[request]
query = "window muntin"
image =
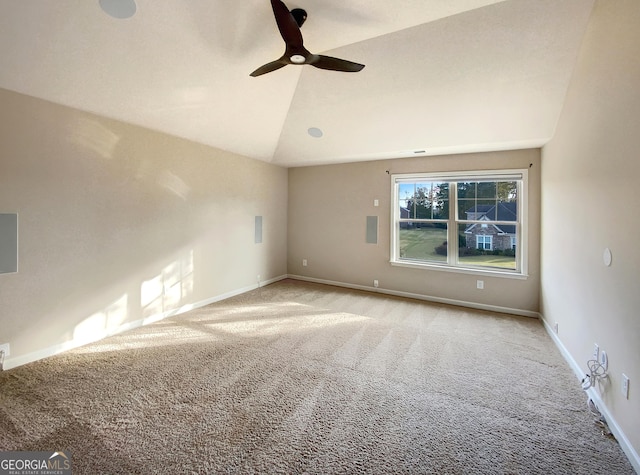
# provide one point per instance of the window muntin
(472, 221)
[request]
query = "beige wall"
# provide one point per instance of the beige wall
(590, 197)
(118, 223)
(328, 206)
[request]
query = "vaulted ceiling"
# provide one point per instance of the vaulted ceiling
(441, 76)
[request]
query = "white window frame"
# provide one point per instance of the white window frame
(485, 237)
(452, 264)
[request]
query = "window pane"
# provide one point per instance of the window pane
(467, 209)
(424, 200)
(422, 209)
(497, 208)
(507, 210)
(466, 190)
(507, 190)
(405, 190)
(487, 209)
(486, 189)
(425, 242)
(486, 247)
(440, 200)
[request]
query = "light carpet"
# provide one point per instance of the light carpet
(304, 378)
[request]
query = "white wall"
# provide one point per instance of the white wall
(590, 200)
(118, 223)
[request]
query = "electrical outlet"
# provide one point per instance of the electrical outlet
(258, 278)
(375, 284)
(376, 203)
(304, 262)
(625, 386)
(555, 328)
(480, 284)
(596, 352)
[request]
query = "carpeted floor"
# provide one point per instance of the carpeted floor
(305, 378)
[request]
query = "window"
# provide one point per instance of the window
(471, 221)
(484, 242)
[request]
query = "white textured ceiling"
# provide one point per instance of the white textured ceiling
(441, 76)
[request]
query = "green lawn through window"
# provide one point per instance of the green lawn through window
(420, 244)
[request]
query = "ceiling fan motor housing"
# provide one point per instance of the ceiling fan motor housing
(299, 15)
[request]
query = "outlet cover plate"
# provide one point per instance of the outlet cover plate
(7, 349)
(625, 386)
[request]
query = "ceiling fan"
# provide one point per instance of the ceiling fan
(289, 23)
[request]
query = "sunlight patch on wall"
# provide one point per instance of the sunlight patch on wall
(160, 297)
(102, 323)
(92, 135)
(168, 289)
(151, 292)
(174, 184)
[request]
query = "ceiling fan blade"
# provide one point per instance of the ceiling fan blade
(289, 29)
(335, 64)
(269, 67)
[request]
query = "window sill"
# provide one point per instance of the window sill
(462, 270)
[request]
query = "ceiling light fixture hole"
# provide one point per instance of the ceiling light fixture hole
(120, 9)
(315, 132)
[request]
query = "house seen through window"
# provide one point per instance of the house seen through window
(470, 221)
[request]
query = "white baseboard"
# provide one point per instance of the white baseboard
(428, 298)
(593, 393)
(16, 361)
